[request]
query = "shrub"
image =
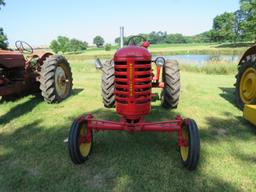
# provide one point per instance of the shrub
(64, 44)
(108, 47)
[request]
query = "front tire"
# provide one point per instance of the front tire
(171, 91)
(80, 141)
(190, 154)
(56, 79)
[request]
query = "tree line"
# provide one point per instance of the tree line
(64, 44)
(236, 26)
(161, 37)
(227, 27)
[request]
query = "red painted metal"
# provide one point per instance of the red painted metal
(158, 72)
(133, 82)
(2, 81)
(140, 125)
(157, 83)
(15, 62)
(11, 59)
(145, 44)
(12, 88)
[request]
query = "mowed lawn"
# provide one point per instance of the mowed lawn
(33, 156)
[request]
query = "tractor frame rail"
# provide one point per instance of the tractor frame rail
(138, 126)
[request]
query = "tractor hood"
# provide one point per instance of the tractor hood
(11, 59)
(132, 52)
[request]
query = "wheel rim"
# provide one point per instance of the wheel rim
(248, 85)
(84, 145)
(184, 149)
(61, 81)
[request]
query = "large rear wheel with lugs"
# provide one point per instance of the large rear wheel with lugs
(171, 78)
(108, 84)
(55, 79)
(246, 81)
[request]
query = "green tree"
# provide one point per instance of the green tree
(204, 37)
(108, 47)
(55, 46)
(98, 41)
(157, 37)
(64, 44)
(248, 24)
(175, 38)
(61, 44)
(3, 39)
(117, 40)
(2, 3)
(223, 27)
(76, 45)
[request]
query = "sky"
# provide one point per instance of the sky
(40, 21)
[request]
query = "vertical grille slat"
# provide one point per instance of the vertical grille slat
(142, 81)
(121, 82)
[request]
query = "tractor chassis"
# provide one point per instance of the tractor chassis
(139, 126)
(13, 88)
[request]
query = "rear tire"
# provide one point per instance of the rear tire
(171, 91)
(108, 84)
(191, 153)
(246, 82)
(56, 79)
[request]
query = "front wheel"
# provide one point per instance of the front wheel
(190, 153)
(80, 141)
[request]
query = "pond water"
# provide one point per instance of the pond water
(201, 60)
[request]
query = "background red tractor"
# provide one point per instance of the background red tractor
(127, 84)
(26, 70)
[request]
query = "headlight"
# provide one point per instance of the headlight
(160, 61)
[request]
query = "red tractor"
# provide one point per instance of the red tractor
(127, 84)
(26, 70)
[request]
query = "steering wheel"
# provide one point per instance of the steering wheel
(23, 47)
(132, 40)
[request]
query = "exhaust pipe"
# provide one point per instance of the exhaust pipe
(121, 37)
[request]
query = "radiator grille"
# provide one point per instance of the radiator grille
(133, 82)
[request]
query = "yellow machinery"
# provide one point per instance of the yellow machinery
(246, 85)
(250, 113)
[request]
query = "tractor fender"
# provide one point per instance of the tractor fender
(41, 55)
(250, 51)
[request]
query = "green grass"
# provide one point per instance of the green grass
(33, 156)
(220, 68)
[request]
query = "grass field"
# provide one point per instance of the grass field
(33, 156)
